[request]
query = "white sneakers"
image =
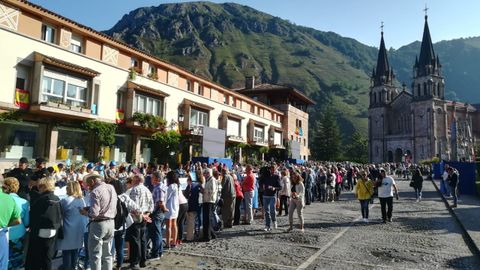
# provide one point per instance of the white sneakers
(275, 225)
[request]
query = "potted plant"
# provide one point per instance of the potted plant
(132, 75)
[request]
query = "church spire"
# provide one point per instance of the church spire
(383, 74)
(427, 61)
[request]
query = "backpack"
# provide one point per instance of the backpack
(122, 214)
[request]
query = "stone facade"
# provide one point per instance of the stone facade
(411, 125)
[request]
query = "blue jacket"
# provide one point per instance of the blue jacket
(74, 224)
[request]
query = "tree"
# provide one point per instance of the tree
(326, 142)
(357, 149)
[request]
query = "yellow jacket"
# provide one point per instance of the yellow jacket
(364, 189)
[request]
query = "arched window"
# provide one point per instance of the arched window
(434, 89)
(424, 88)
(418, 90)
(438, 90)
(374, 97)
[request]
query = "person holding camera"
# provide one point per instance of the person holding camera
(386, 189)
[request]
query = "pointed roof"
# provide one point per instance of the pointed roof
(427, 54)
(382, 74)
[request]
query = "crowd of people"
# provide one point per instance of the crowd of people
(91, 212)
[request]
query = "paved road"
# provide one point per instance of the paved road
(422, 236)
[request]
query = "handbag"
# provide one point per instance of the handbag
(371, 195)
(412, 184)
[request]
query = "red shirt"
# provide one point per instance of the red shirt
(248, 183)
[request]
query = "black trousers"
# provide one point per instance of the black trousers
(182, 217)
(208, 232)
(236, 215)
(283, 204)
(386, 204)
(40, 253)
(137, 237)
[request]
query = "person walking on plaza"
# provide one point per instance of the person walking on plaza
(228, 198)
(364, 192)
(417, 183)
(271, 184)
(297, 202)
(386, 189)
(45, 223)
(285, 192)
(101, 213)
(209, 196)
(74, 225)
(453, 183)
(248, 188)
(16, 234)
(136, 234)
(22, 173)
(9, 216)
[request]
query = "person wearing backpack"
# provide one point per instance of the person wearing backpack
(127, 211)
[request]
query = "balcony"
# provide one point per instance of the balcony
(276, 145)
(234, 138)
(146, 122)
(258, 141)
(196, 130)
(69, 111)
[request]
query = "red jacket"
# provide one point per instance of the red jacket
(238, 190)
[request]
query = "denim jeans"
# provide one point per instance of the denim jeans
(364, 207)
(118, 245)
(418, 192)
(454, 191)
(156, 235)
(69, 259)
(448, 189)
(269, 205)
(3, 248)
(283, 204)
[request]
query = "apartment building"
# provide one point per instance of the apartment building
(59, 74)
(293, 104)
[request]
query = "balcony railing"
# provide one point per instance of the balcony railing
(196, 130)
(235, 138)
(259, 141)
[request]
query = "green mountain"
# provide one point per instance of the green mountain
(226, 42)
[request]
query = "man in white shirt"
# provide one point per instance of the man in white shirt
(385, 194)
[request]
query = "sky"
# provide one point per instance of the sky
(359, 19)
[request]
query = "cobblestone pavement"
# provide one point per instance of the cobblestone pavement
(422, 236)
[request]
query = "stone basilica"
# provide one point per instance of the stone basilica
(418, 124)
